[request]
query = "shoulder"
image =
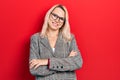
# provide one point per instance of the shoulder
(72, 39)
(35, 35)
(72, 36)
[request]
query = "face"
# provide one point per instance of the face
(56, 19)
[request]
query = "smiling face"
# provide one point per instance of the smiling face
(56, 19)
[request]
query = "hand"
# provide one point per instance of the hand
(72, 53)
(35, 63)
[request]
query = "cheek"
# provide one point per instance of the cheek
(49, 22)
(61, 25)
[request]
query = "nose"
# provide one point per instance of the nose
(57, 20)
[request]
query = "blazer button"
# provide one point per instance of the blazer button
(57, 66)
(61, 66)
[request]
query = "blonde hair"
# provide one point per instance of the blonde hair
(65, 29)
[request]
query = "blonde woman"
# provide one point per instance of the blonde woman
(54, 54)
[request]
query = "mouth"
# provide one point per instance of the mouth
(54, 24)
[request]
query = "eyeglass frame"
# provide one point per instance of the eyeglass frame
(61, 19)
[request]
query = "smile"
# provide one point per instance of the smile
(54, 24)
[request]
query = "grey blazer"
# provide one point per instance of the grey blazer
(61, 66)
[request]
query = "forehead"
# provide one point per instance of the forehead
(59, 12)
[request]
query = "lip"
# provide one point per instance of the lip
(54, 24)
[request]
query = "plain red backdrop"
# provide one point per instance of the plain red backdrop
(95, 23)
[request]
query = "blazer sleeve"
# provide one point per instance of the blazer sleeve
(69, 63)
(34, 54)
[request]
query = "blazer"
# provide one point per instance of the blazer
(61, 67)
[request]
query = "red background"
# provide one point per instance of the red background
(95, 23)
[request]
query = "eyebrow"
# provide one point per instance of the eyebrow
(57, 15)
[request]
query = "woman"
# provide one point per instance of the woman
(54, 54)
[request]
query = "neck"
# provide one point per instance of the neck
(52, 33)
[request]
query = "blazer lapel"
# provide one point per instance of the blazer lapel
(58, 44)
(46, 43)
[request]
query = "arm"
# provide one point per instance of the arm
(69, 63)
(34, 54)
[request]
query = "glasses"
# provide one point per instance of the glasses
(55, 17)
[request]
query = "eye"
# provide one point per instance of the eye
(62, 19)
(54, 16)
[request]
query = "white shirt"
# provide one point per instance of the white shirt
(53, 50)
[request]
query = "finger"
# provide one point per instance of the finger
(36, 66)
(75, 54)
(73, 50)
(32, 60)
(33, 64)
(72, 55)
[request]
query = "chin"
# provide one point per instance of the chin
(54, 28)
